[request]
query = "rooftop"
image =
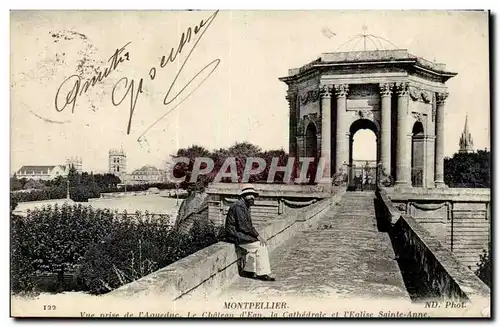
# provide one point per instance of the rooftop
(373, 56)
(146, 168)
(37, 169)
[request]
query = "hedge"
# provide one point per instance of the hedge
(80, 193)
(99, 250)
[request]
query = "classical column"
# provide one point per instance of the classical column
(429, 165)
(292, 133)
(326, 130)
(292, 123)
(385, 135)
(439, 152)
(341, 136)
(403, 156)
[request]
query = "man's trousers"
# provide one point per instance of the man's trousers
(257, 258)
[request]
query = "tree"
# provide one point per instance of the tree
(13, 204)
(59, 181)
(282, 161)
(73, 176)
(184, 169)
(17, 184)
(106, 181)
(244, 150)
(468, 170)
(33, 184)
(240, 151)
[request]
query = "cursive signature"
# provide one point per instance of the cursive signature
(74, 87)
(129, 88)
(132, 88)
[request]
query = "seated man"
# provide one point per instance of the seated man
(240, 231)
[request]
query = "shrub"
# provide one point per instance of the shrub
(484, 266)
(129, 251)
(13, 204)
(53, 239)
(48, 193)
(103, 250)
(21, 260)
(82, 187)
(138, 250)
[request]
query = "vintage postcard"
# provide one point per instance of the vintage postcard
(250, 164)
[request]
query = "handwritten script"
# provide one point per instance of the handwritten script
(129, 89)
(76, 88)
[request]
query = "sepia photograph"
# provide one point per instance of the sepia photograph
(250, 164)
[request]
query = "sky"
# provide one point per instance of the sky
(241, 100)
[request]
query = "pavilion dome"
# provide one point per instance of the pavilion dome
(366, 42)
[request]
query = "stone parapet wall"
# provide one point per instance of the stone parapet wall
(443, 194)
(444, 273)
(273, 190)
(209, 270)
(435, 265)
(458, 217)
(274, 200)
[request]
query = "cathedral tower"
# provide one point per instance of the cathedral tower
(466, 144)
(117, 162)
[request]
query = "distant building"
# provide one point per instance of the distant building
(45, 173)
(74, 162)
(466, 143)
(117, 162)
(147, 174)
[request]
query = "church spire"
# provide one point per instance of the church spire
(466, 144)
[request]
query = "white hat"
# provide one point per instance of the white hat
(248, 189)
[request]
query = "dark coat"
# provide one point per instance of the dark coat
(239, 228)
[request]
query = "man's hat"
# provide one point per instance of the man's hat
(248, 189)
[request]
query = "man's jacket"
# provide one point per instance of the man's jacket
(239, 228)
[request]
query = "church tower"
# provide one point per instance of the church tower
(117, 162)
(466, 144)
(75, 162)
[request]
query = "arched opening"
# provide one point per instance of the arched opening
(417, 154)
(363, 155)
(311, 151)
